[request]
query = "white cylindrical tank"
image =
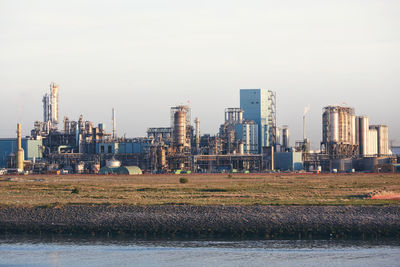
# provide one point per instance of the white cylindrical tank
(373, 142)
(382, 139)
(334, 126)
(363, 134)
(343, 128)
(353, 130)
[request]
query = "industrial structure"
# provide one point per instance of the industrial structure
(248, 140)
(345, 135)
(50, 109)
(259, 105)
(339, 131)
(20, 151)
(350, 143)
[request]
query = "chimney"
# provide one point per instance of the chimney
(20, 151)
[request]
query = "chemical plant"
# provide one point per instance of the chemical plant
(248, 141)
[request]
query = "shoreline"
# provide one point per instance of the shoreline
(184, 221)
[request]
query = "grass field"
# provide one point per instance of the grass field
(201, 189)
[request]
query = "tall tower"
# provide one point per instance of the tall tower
(20, 151)
(114, 132)
(197, 123)
(259, 105)
(181, 128)
(54, 104)
(50, 107)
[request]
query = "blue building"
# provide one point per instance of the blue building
(289, 161)
(259, 106)
(32, 149)
(247, 132)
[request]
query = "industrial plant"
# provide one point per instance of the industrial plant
(249, 140)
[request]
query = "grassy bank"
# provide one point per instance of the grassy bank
(201, 189)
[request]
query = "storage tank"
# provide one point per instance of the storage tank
(334, 126)
(353, 130)
(180, 128)
(373, 141)
(383, 140)
(285, 136)
(363, 134)
(278, 136)
(343, 126)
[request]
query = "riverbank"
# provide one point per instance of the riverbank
(200, 190)
(265, 222)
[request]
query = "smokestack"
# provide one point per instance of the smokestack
(197, 122)
(306, 110)
(20, 151)
(114, 134)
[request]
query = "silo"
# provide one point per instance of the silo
(373, 141)
(353, 128)
(382, 139)
(342, 126)
(285, 137)
(363, 134)
(277, 136)
(334, 125)
(180, 128)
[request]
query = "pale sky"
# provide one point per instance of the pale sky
(142, 57)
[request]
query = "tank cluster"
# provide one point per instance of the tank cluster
(346, 135)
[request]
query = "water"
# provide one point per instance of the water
(87, 252)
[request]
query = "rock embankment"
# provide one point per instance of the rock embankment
(207, 221)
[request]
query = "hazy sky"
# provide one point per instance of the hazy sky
(142, 57)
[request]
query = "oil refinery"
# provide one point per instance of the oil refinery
(249, 140)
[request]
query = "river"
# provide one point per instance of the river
(109, 252)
